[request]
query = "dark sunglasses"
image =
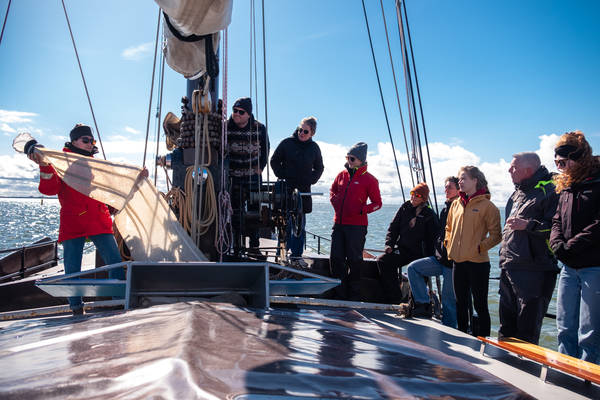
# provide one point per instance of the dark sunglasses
(239, 111)
(561, 163)
(305, 131)
(87, 140)
(351, 158)
(412, 193)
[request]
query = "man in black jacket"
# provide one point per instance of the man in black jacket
(248, 150)
(298, 161)
(410, 236)
(528, 267)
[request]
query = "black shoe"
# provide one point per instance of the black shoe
(78, 312)
(422, 310)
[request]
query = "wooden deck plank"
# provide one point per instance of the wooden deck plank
(554, 359)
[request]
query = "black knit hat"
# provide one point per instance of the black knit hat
(359, 150)
(245, 103)
(79, 131)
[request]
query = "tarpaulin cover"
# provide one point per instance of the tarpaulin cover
(145, 221)
(216, 351)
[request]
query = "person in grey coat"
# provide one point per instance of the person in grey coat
(528, 266)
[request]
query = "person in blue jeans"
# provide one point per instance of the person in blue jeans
(439, 264)
(575, 240)
(81, 216)
(298, 161)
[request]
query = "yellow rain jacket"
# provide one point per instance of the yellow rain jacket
(472, 229)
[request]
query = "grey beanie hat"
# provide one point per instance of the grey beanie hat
(359, 150)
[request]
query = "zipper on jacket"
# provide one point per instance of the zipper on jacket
(344, 198)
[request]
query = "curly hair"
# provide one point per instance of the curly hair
(475, 173)
(586, 165)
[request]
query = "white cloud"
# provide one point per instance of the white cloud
(11, 117)
(4, 127)
(129, 129)
(136, 53)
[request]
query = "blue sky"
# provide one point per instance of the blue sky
(496, 78)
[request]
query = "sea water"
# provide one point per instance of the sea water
(27, 220)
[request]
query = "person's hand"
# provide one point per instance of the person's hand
(144, 173)
(37, 158)
(259, 170)
(517, 224)
(388, 250)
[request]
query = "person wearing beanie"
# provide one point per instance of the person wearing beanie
(298, 161)
(419, 270)
(81, 217)
(248, 150)
(472, 229)
(574, 240)
(410, 236)
(350, 193)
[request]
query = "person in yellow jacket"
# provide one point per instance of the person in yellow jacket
(472, 228)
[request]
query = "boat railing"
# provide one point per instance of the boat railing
(23, 270)
(322, 238)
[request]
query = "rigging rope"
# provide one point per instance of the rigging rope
(151, 88)
(5, 19)
(83, 78)
(224, 234)
(265, 86)
(382, 99)
(397, 94)
(420, 105)
(159, 114)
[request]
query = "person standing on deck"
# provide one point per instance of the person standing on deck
(472, 228)
(575, 240)
(81, 217)
(528, 267)
(410, 236)
(298, 160)
(439, 264)
(248, 150)
(349, 193)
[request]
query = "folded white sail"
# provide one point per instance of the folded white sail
(145, 221)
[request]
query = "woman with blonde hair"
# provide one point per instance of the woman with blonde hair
(574, 239)
(472, 228)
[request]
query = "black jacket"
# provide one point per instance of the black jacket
(440, 251)
(300, 164)
(418, 241)
(535, 200)
(575, 237)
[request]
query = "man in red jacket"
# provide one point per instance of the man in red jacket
(81, 217)
(349, 194)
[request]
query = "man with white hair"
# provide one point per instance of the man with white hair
(528, 266)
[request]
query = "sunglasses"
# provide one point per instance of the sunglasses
(351, 158)
(304, 131)
(412, 193)
(87, 140)
(239, 111)
(561, 163)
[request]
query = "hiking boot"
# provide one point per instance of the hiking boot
(298, 262)
(78, 311)
(422, 310)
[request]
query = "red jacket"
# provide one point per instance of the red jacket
(80, 215)
(348, 195)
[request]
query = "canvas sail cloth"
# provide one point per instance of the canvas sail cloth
(145, 221)
(191, 18)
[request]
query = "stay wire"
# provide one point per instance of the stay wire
(159, 113)
(382, 99)
(397, 94)
(151, 87)
(83, 78)
(5, 19)
(420, 105)
(265, 86)
(408, 84)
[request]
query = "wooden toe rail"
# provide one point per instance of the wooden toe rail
(548, 358)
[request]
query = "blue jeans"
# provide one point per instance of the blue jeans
(73, 252)
(430, 266)
(296, 243)
(578, 313)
